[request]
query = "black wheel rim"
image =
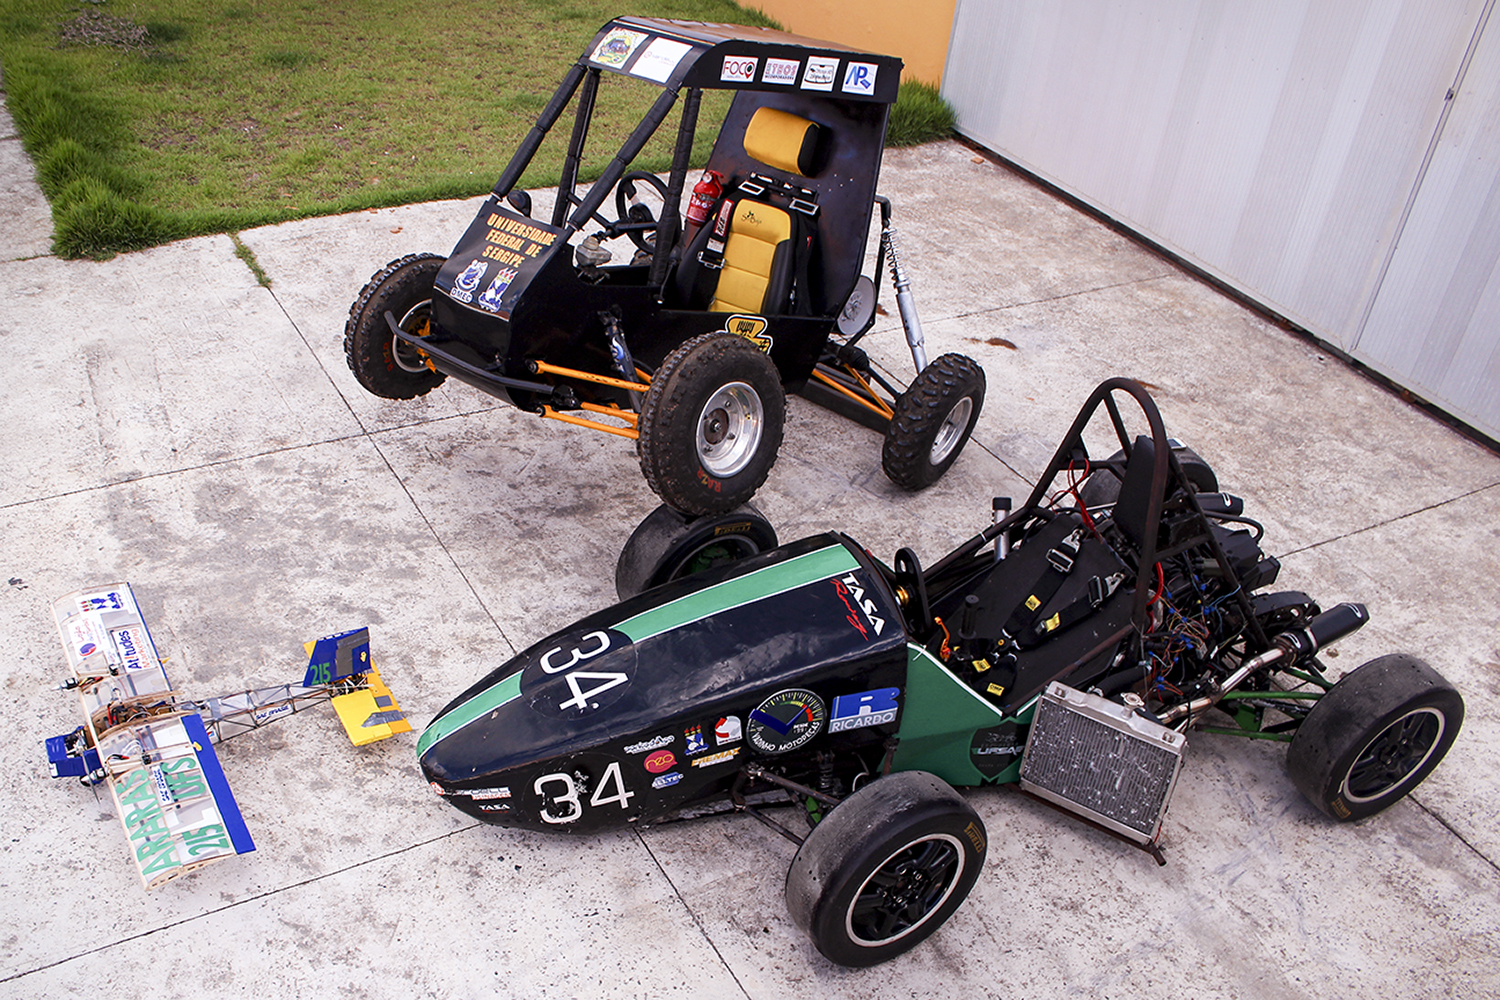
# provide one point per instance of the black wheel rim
(906, 890)
(1395, 755)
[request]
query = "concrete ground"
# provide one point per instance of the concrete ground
(174, 424)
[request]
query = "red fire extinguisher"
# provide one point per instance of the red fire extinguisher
(705, 193)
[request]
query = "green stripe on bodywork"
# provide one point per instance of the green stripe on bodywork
(942, 715)
(762, 583)
(473, 710)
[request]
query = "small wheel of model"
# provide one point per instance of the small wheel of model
(933, 421)
(669, 545)
(886, 868)
(386, 366)
(632, 208)
(711, 425)
(1373, 738)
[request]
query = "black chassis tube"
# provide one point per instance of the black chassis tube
(427, 345)
(522, 158)
(574, 155)
(616, 169)
(670, 223)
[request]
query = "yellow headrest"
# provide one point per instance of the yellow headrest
(783, 140)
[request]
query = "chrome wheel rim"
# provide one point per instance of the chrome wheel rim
(952, 430)
(729, 429)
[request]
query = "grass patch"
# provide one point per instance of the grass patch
(919, 115)
(247, 255)
(153, 120)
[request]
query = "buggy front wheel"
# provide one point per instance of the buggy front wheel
(388, 367)
(934, 418)
(711, 425)
(1373, 738)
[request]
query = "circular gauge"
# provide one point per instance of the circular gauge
(786, 721)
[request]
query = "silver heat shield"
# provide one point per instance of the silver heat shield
(1101, 760)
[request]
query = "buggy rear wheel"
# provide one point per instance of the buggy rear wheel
(669, 545)
(933, 421)
(385, 366)
(1373, 738)
(711, 425)
(886, 868)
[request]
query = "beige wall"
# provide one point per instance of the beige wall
(916, 31)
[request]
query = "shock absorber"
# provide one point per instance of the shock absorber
(904, 301)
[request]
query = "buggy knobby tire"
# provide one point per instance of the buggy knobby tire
(1373, 738)
(933, 421)
(886, 868)
(711, 424)
(669, 545)
(384, 365)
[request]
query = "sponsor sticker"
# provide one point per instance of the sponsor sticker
(716, 758)
(752, 328)
(781, 71)
(503, 792)
(615, 48)
(820, 73)
(739, 69)
(666, 780)
(494, 807)
(465, 283)
(490, 300)
(660, 761)
(267, 714)
(728, 730)
(868, 708)
(786, 721)
(859, 78)
(659, 59)
(851, 590)
(655, 743)
(695, 741)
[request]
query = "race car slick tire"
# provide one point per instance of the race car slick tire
(933, 421)
(1373, 738)
(669, 545)
(382, 364)
(886, 868)
(711, 424)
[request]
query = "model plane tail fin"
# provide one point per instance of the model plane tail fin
(369, 713)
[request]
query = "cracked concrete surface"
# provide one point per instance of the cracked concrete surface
(172, 423)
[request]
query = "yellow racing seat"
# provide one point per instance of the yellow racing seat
(746, 259)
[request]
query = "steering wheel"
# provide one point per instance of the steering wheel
(639, 198)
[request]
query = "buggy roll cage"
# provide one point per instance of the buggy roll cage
(677, 55)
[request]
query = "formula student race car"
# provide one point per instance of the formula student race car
(688, 345)
(1069, 647)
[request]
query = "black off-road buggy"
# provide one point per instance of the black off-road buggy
(688, 345)
(1068, 648)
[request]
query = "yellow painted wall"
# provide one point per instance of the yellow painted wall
(916, 31)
